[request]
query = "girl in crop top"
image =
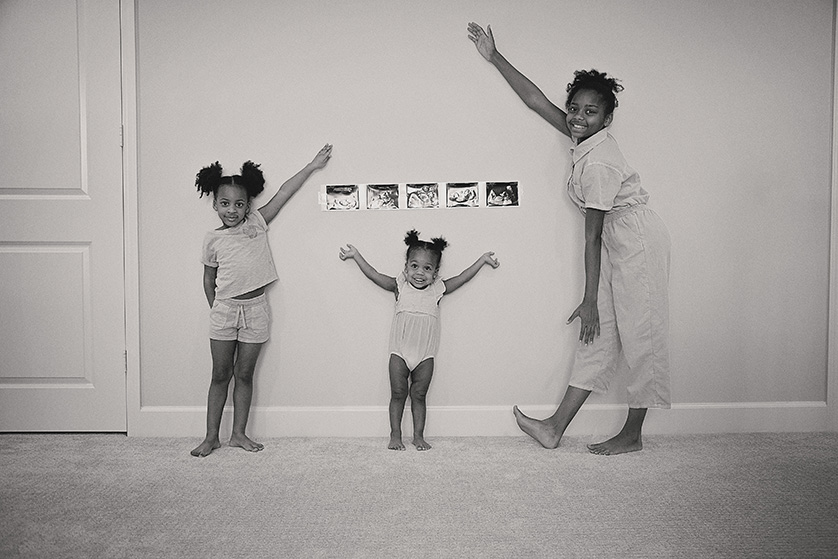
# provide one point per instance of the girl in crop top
(238, 266)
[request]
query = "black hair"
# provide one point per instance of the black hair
(435, 245)
(210, 178)
(600, 82)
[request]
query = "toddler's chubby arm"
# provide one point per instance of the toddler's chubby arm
(292, 185)
(529, 93)
(381, 280)
(452, 284)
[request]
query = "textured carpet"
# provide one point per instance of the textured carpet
(763, 495)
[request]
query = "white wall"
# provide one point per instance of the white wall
(726, 114)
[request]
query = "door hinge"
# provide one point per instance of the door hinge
(121, 136)
(125, 357)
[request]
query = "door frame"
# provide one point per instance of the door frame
(130, 170)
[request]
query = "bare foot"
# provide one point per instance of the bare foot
(619, 444)
(420, 443)
(242, 441)
(206, 447)
(395, 443)
(545, 434)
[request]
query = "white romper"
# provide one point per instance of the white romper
(414, 335)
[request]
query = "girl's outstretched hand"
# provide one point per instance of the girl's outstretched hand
(483, 40)
(589, 315)
(489, 258)
(322, 157)
(348, 252)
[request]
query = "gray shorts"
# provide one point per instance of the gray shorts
(245, 320)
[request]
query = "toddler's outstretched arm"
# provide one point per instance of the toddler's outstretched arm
(529, 93)
(452, 284)
(292, 185)
(381, 280)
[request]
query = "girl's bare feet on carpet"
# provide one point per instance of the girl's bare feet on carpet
(420, 443)
(546, 434)
(619, 444)
(396, 443)
(242, 441)
(206, 447)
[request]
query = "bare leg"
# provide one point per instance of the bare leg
(420, 382)
(629, 439)
(223, 353)
(399, 374)
(548, 432)
(243, 394)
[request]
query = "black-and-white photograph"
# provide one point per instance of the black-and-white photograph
(342, 197)
(462, 194)
(390, 279)
(382, 196)
(501, 194)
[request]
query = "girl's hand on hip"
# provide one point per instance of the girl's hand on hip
(589, 315)
(485, 42)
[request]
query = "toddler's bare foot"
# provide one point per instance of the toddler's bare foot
(544, 433)
(619, 444)
(395, 443)
(206, 447)
(242, 441)
(420, 443)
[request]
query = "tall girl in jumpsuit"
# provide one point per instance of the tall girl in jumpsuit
(624, 313)
(414, 334)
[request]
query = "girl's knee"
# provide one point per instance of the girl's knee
(398, 393)
(418, 392)
(222, 375)
(243, 375)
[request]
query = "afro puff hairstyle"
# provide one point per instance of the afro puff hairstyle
(435, 245)
(210, 178)
(606, 86)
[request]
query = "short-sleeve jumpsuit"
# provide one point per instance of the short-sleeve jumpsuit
(633, 297)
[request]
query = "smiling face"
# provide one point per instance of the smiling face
(421, 268)
(586, 115)
(231, 202)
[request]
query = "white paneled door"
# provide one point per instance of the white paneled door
(62, 327)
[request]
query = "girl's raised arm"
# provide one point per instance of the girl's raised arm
(292, 185)
(381, 280)
(452, 284)
(529, 93)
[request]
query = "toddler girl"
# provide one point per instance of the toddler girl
(414, 334)
(237, 268)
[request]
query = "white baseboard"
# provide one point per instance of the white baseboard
(495, 421)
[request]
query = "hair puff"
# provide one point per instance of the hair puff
(208, 179)
(439, 243)
(412, 238)
(435, 245)
(252, 178)
(606, 86)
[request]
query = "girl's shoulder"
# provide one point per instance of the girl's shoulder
(256, 218)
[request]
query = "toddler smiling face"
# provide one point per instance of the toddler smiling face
(421, 268)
